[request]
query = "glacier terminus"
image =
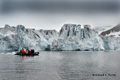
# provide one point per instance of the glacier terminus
(70, 37)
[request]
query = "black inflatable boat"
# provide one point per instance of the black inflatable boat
(29, 54)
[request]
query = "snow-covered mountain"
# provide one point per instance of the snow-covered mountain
(101, 29)
(70, 37)
(115, 31)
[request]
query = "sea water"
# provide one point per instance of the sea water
(61, 65)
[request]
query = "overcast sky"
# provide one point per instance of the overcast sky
(52, 14)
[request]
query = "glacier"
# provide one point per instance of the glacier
(73, 37)
(70, 37)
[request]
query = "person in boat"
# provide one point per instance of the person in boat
(23, 52)
(27, 51)
(32, 51)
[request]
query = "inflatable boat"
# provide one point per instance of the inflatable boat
(28, 54)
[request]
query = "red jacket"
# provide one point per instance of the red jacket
(23, 51)
(28, 51)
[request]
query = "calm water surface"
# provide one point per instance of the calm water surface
(65, 65)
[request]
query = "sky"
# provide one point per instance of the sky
(53, 14)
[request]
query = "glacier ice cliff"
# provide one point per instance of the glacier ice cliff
(70, 37)
(73, 37)
(111, 43)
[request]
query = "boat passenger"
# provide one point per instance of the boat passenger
(26, 51)
(32, 51)
(23, 52)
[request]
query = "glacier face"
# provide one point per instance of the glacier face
(73, 37)
(70, 37)
(111, 43)
(15, 38)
